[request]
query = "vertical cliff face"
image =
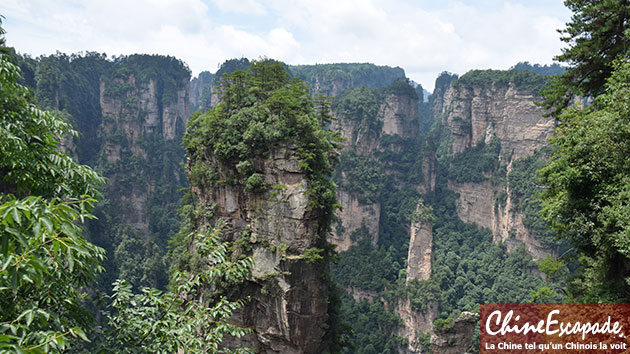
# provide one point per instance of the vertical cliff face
(201, 88)
(417, 323)
(476, 112)
(368, 120)
(474, 115)
(457, 339)
(353, 216)
(420, 255)
(399, 115)
(265, 175)
(288, 303)
(134, 114)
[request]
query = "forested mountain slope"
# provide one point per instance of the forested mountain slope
(439, 209)
(131, 114)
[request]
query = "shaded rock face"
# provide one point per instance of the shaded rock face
(352, 217)
(288, 307)
(429, 173)
(473, 114)
(414, 322)
(398, 115)
(458, 339)
(420, 255)
(419, 262)
(128, 118)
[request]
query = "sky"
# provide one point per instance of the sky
(424, 37)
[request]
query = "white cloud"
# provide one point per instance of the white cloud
(248, 7)
(452, 35)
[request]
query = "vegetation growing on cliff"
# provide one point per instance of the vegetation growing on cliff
(361, 175)
(523, 181)
(360, 104)
(262, 110)
(524, 80)
(324, 79)
(478, 163)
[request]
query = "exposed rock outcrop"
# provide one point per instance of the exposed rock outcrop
(420, 255)
(201, 88)
(429, 175)
(131, 112)
(472, 113)
(458, 339)
(352, 217)
(419, 260)
(288, 306)
(397, 115)
(415, 323)
(479, 113)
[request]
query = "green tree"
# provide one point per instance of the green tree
(165, 322)
(596, 36)
(44, 197)
(588, 189)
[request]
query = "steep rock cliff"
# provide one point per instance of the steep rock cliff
(458, 338)
(130, 113)
(420, 256)
(353, 216)
(418, 323)
(201, 88)
(134, 113)
(266, 176)
(374, 123)
(415, 324)
(288, 295)
(476, 114)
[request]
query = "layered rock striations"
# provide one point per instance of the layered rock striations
(419, 260)
(288, 297)
(135, 117)
(477, 114)
(265, 177)
(369, 120)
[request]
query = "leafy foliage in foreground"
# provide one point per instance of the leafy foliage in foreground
(45, 195)
(588, 190)
(165, 322)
